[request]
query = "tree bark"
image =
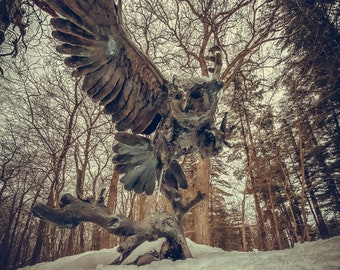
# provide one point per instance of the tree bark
(201, 215)
(244, 233)
(275, 223)
(303, 184)
(105, 238)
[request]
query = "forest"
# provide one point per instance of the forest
(277, 182)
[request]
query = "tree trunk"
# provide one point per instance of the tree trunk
(300, 214)
(112, 198)
(275, 226)
(320, 222)
(303, 185)
(244, 232)
(201, 214)
(105, 240)
(287, 194)
(260, 222)
(38, 243)
(5, 243)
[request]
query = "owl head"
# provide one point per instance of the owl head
(194, 100)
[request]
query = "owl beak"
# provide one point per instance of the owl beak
(184, 103)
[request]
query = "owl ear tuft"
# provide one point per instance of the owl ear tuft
(216, 58)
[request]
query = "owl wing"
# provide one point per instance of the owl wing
(116, 73)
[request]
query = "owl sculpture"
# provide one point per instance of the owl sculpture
(157, 120)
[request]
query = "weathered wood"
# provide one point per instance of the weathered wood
(74, 210)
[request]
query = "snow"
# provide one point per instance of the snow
(321, 254)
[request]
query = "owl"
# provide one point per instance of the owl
(156, 120)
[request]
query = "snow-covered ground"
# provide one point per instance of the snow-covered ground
(321, 254)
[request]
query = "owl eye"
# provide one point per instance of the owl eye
(196, 94)
(178, 96)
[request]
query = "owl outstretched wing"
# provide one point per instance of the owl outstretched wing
(116, 73)
(131, 88)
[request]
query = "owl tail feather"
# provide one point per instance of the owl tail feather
(135, 159)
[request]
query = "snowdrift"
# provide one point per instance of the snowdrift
(321, 254)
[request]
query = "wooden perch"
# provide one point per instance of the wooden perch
(176, 199)
(74, 210)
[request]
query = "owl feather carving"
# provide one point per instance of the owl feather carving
(180, 114)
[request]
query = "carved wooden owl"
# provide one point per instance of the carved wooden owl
(122, 79)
